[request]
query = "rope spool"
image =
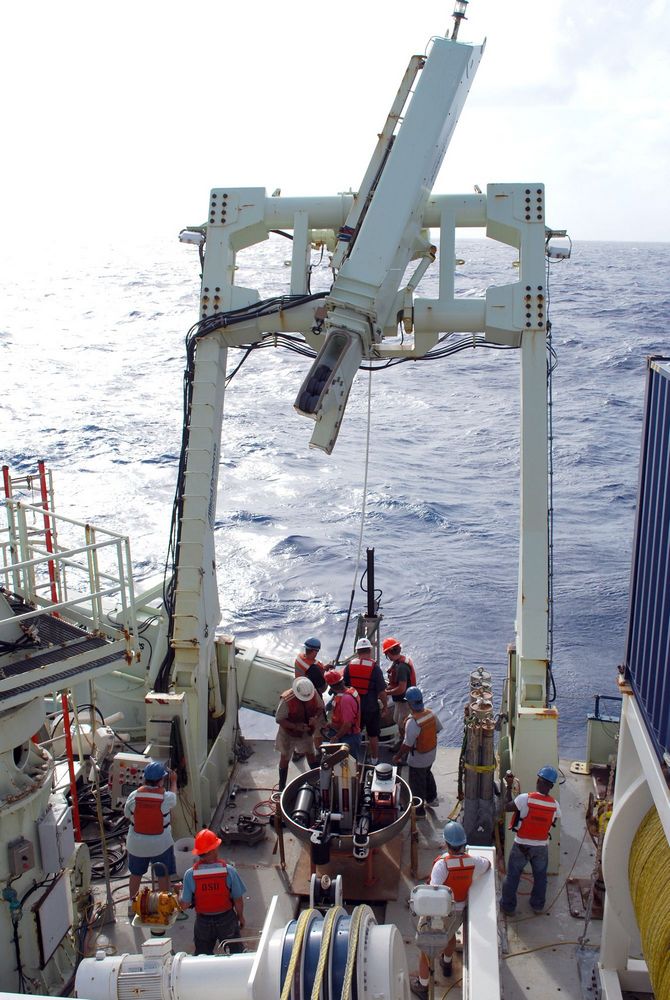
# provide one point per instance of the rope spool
(649, 879)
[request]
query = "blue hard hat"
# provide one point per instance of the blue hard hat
(549, 774)
(454, 834)
(154, 771)
(312, 643)
(414, 696)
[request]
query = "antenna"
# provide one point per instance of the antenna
(460, 8)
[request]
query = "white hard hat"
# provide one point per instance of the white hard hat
(303, 688)
(364, 643)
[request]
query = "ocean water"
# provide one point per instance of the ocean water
(93, 352)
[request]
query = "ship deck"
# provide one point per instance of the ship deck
(539, 954)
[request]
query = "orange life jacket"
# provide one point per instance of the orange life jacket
(393, 670)
(460, 873)
(148, 817)
(301, 665)
(541, 814)
(336, 718)
(301, 711)
(212, 894)
(360, 673)
(427, 738)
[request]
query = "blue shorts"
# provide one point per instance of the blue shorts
(138, 866)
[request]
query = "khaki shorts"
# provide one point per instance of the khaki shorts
(400, 711)
(286, 744)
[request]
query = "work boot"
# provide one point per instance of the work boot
(446, 966)
(418, 988)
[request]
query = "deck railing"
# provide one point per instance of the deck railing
(67, 568)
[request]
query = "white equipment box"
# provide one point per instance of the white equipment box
(56, 835)
(125, 775)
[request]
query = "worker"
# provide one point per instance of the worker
(216, 892)
(150, 835)
(420, 748)
(307, 665)
(297, 715)
(364, 674)
(534, 815)
(456, 869)
(401, 675)
(345, 719)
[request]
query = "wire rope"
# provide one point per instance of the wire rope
(301, 927)
(363, 506)
(352, 951)
(649, 879)
(326, 935)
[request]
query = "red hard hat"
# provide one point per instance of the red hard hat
(390, 643)
(332, 677)
(206, 841)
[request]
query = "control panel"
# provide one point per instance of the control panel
(21, 856)
(125, 775)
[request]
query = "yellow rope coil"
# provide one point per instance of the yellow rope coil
(300, 929)
(326, 935)
(354, 929)
(649, 879)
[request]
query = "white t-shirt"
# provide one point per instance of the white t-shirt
(149, 845)
(521, 803)
(412, 730)
(438, 876)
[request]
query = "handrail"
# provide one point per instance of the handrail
(31, 564)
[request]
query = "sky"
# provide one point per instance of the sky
(119, 118)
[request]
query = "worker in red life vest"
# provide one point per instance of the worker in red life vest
(456, 869)
(345, 719)
(150, 835)
(534, 815)
(364, 674)
(298, 714)
(401, 675)
(216, 892)
(420, 748)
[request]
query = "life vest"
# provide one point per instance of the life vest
(393, 671)
(301, 711)
(427, 738)
(541, 814)
(360, 673)
(336, 718)
(460, 873)
(148, 817)
(212, 894)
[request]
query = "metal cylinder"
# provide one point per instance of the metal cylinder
(303, 810)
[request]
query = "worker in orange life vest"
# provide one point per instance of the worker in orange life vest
(150, 836)
(456, 869)
(363, 673)
(216, 892)
(307, 665)
(420, 748)
(298, 714)
(401, 675)
(534, 815)
(345, 719)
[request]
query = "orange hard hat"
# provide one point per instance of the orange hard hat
(206, 841)
(389, 644)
